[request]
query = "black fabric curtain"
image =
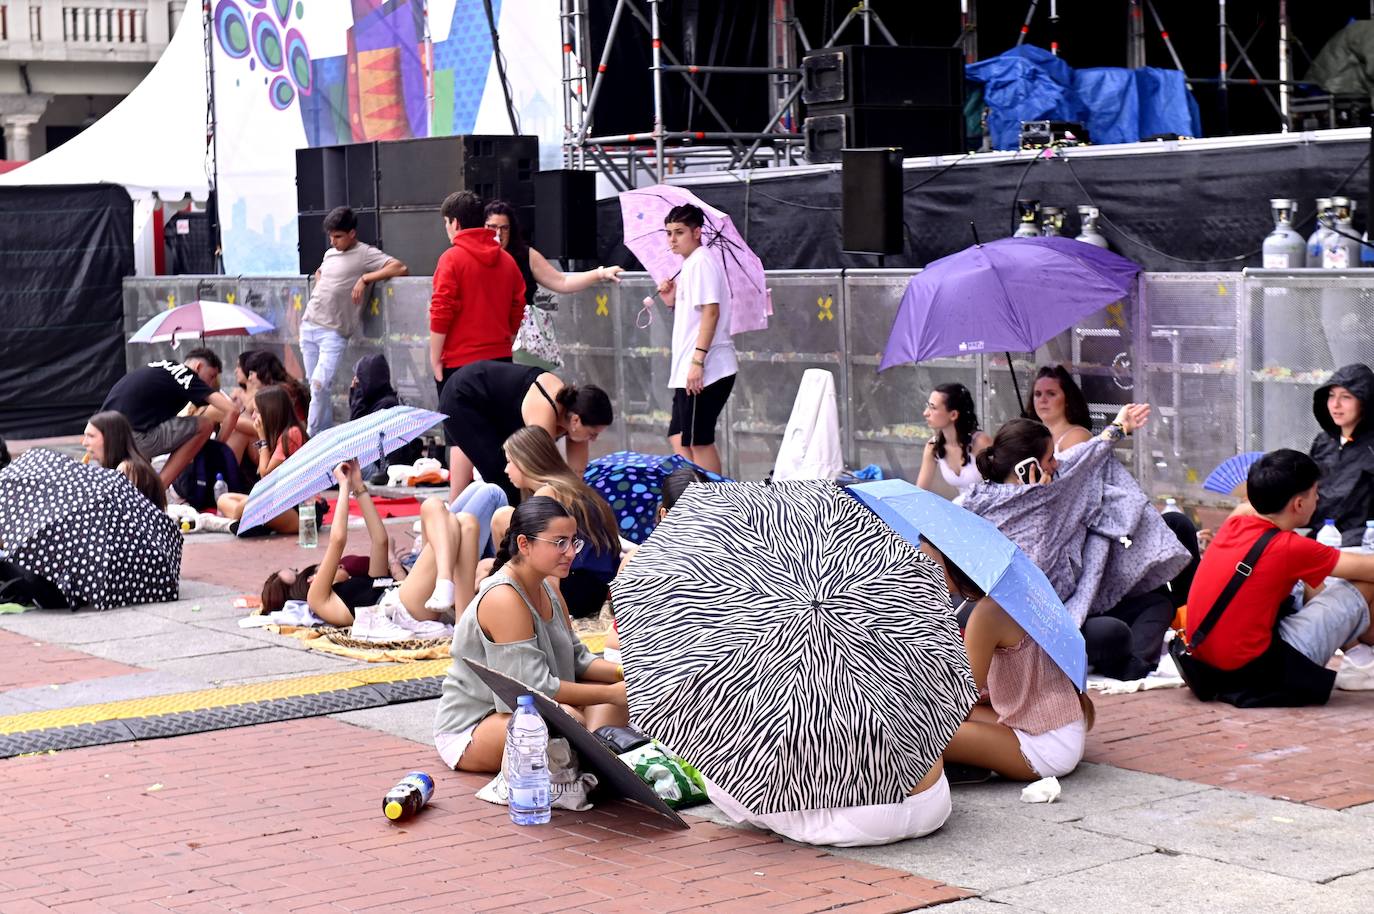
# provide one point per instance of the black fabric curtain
(1174, 211)
(64, 253)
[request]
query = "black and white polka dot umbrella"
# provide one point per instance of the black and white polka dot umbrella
(88, 530)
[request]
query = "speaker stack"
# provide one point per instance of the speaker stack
(908, 98)
(397, 187)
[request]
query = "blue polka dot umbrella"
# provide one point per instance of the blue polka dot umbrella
(633, 484)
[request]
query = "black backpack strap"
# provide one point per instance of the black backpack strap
(1244, 568)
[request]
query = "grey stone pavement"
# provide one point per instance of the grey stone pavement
(1117, 840)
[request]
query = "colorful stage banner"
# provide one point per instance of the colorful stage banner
(296, 73)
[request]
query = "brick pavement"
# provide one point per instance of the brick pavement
(287, 817)
(29, 663)
(1320, 756)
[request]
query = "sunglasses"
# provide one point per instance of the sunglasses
(563, 543)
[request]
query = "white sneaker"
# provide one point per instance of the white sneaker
(429, 628)
(1351, 677)
(371, 623)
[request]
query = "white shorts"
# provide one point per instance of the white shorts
(451, 746)
(849, 826)
(1056, 753)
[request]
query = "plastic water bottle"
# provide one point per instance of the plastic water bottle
(1171, 505)
(1328, 535)
(408, 797)
(526, 764)
(309, 536)
(221, 487)
(1367, 543)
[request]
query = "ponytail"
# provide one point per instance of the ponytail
(1013, 443)
(588, 402)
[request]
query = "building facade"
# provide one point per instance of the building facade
(65, 63)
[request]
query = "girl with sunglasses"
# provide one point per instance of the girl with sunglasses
(1086, 523)
(518, 625)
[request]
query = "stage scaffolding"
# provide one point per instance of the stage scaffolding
(660, 150)
(623, 158)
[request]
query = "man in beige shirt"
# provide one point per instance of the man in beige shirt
(335, 308)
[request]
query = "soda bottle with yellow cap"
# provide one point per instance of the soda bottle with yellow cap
(408, 797)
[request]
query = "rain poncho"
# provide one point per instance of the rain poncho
(1346, 490)
(1092, 530)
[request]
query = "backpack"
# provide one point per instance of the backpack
(196, 484)
(18, 585)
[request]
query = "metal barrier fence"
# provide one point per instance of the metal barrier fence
(1229, 360)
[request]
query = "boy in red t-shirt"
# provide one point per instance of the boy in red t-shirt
(1282, 489)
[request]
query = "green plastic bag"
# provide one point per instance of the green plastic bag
(675, 781)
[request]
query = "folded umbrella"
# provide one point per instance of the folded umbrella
(88, 531)
(310, 470)
(989, 559)
(633, 484)
(200, 319)
(643, 211)
(791, 646)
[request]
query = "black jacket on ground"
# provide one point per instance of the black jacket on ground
(1346, 490)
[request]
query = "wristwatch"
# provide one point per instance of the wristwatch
(260, 444)
(1116, 431)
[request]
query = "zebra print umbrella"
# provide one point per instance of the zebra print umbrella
(791, 646)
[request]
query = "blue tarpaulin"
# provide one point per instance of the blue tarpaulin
(1117, 105)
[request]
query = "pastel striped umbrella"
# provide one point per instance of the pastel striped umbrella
(310, 470)
(201, 319)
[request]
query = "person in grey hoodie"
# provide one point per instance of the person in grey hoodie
(1344, 449)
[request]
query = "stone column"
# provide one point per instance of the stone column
(17, 132)
(18, 115)
(174, 10)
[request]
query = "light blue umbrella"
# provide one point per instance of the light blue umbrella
(310, 470)
(990, 560)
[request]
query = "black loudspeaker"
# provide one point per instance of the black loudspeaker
(416, 237)
(871, 185)
(565, 214)
(883, 75)
(396, 188)
(916, 131)
(423, 172)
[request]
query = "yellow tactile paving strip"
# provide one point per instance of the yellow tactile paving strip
(226, 696)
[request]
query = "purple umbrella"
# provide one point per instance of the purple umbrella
(1010, 295)
(642, 212)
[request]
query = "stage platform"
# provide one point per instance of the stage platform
(1178, 205)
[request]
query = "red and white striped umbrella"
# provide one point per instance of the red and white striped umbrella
(201, 319)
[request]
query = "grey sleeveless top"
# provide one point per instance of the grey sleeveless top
(554, 654)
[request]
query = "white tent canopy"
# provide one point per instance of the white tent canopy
(153, 142)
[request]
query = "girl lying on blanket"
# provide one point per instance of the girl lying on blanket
(444, 572)
(1032, 722)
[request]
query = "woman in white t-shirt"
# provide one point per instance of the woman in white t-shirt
(702, 372)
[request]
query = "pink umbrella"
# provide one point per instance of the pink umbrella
(643, 211)
(200, 319)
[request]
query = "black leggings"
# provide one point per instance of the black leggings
(1125, 642)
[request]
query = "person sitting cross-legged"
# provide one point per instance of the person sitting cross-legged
(1259, 653)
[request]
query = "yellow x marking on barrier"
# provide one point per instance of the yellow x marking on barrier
(296, 300)
(230, 298)
(601, 309)
(376, 306)
(825, 303)
(171, 300)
